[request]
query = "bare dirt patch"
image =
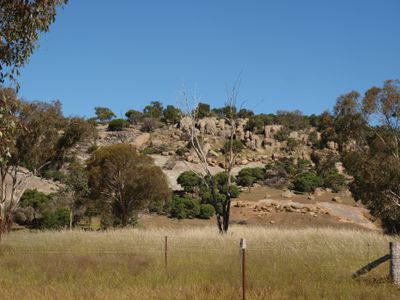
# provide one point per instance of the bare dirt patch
(301, 210)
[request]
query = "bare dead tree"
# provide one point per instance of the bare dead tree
(231, 151)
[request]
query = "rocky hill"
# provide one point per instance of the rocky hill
(263, 205)
(168, 145)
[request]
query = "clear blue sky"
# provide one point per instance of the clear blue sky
(291, 54)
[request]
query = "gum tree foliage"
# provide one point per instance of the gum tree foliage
(372, 122)
(282, 134)
(248, 176)
(256, 123)
(122, 182)
(104, 114)
(189, 181)
(283, 171)
(184, 207)
(293, 120)
(202, 110)
(228, 111)
(35, 137)
(134, 116)
(30, 211)
(74, 194)
(153, 110)
(21, 22)
(171, 114)
(218, 190)
(188, 207)
(307, 182)
(40, 211)
(75, 130)
(245, 113)
(118, 125)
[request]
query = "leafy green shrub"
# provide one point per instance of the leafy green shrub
(34, 198)
(313, 138)
(227, 111)
(150, 124)
(237, 146)
(293, 120)
(32, 205)
(104, 114)
(118, 125)
(172, 115)
(256, 123)
(234, 191)
(58, 219)
(247, 176)
(282, 134)
(245, 113)
(335, 181)
(181, 151)
(203, 110)
(292, 143)
(189, 181)
(134, 116)
(55, 175)
(36, 211)
(206, 211)
(154, 110)
(307, 182)
(184, 207)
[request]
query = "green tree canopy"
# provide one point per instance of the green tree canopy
(123, 182)
(248, 176)
(172, 114)
(190, 181)
(134, 116)
(104, 114)
(202, 110)
(153, 110)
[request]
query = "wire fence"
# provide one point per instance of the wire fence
(177, 248)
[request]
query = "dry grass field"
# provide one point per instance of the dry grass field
(202, 264)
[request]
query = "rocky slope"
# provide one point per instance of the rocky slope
(168, 146)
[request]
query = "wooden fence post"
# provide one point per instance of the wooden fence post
(166, 252)
(243, 252)
(395, 262)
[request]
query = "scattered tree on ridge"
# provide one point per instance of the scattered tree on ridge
(104, 114)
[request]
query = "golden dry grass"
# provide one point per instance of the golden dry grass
(129, 264)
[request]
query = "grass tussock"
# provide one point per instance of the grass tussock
(202, 264)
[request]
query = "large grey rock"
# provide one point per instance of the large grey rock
(270, 130)
(206, 148)
(287, 194)
(185, 124)
(211, 127)
(332, 145)
(221, 124)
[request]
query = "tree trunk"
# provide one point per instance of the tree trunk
(227, 215)
(124, 220)
(71, 218)
(219, 223)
